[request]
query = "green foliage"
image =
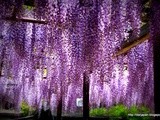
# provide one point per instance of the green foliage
(118, 111)
(144, 110)
(26, 109)
(133, 110)
(139, 110)
(98, 112)
(28, 7)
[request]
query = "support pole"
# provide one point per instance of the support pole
(155, 29)
(156, 65)
(59, 106)
(59, 109)
(85, 96)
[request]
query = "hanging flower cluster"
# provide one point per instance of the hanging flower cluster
(41, 63)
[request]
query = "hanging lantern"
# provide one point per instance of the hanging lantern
(45, 72)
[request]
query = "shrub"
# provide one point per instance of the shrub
(99, 112)
(121, 111)
(118, 111)
(138, 110)
(144, 110)
(133, 110)
(26, 109)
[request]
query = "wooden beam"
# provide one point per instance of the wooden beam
(134, 41)
(134, 44)
(25, 19)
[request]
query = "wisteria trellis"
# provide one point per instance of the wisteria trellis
(47, 61)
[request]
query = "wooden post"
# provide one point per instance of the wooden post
(1, 62)
(89, 49)
(59, 106)
(156, 57)
(85, 96)
(59, 109)
(155, 30)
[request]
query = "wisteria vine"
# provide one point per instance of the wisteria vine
(45, 62)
